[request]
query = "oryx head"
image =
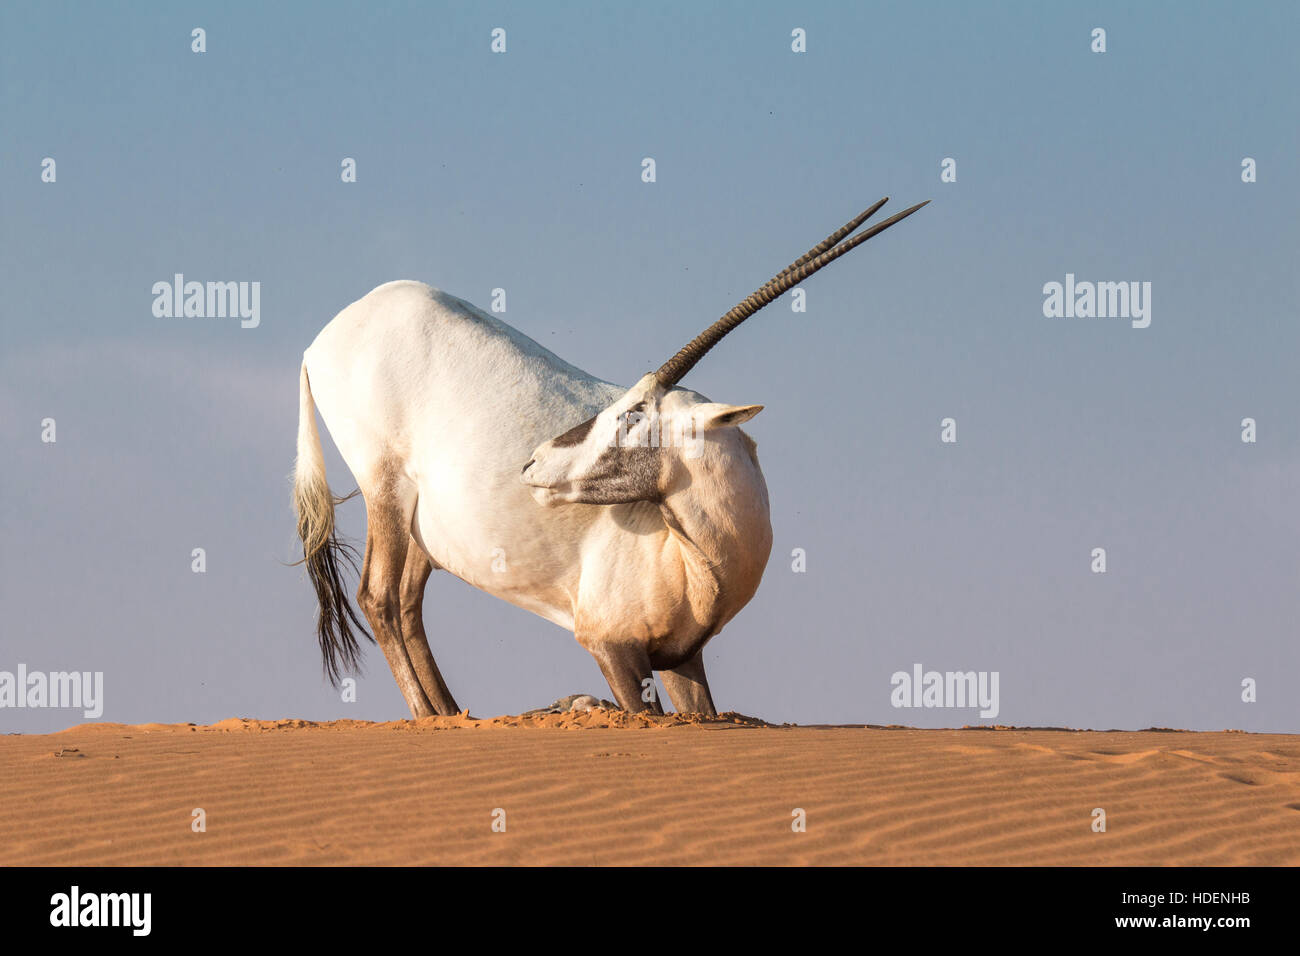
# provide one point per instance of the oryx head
(634, 449)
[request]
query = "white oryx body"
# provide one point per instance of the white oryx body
(635, 517)
(419, 387)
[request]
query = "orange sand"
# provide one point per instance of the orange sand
(612, 788)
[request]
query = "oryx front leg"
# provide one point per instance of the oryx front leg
(388, 525)
(414, 576)
(626, 667)
(688, 688)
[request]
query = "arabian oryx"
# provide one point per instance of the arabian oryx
(635, 518)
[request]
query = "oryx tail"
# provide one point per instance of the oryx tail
(323, 552)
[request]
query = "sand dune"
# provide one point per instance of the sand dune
(613, 788)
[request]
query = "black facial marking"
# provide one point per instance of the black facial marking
(575, 435)
(625, 474)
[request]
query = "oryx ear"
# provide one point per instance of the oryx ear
(716, 415)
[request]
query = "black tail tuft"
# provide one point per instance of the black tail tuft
(337, 623)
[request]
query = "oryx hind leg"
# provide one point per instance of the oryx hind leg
(626, 667)
(688, 688)
(389, 507)
(414, 577)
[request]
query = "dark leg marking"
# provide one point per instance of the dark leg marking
(415, 575)
(625, 666)
(379, 596)
(688, 688)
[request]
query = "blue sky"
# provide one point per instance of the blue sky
(522, 171)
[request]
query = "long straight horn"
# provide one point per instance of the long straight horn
(822, 254)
